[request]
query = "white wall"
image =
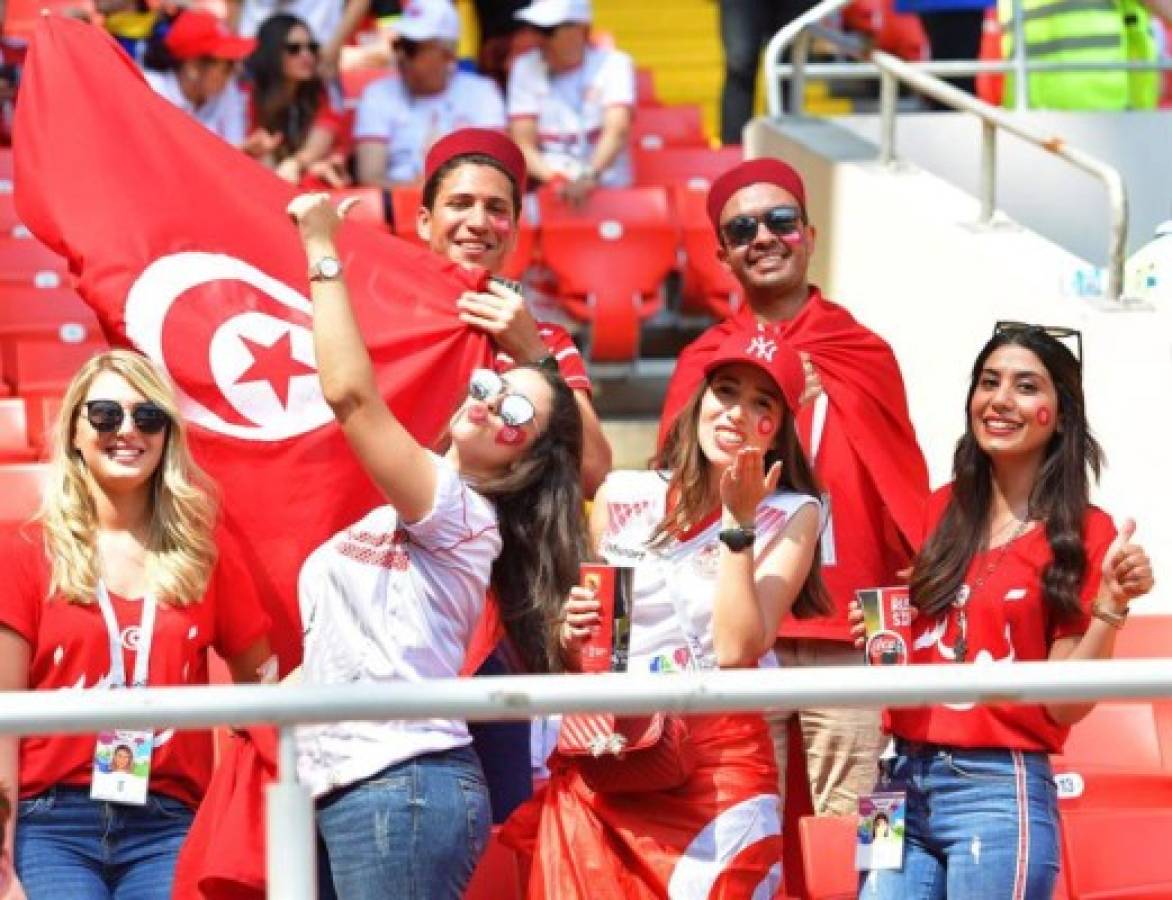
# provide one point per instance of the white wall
(899, 250)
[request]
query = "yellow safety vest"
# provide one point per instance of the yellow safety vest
(1084, 31)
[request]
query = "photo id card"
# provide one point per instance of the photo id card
(122, 766)
(879, 843)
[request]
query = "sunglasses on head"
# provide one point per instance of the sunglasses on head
(515, 409)
(1058, 332)
(781, 221)
(293, 48)
(106, 416)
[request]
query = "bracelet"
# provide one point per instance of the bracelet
(1116, 618)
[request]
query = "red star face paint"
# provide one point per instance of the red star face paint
(793, 239)
(510, 436)
(765, 426)
(1044, 415)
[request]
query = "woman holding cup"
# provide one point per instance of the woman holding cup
(722, 538)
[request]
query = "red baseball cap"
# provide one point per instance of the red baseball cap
(754, 171)
(465, 141)
(762, 348)
(195, 34)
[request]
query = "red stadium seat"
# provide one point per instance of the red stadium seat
(14, 442)
(21, 486)
(370, 208)
(44, 366)
(1145, 637)
(645, 88)
(355, 81)
(26, 261)
(707, 286)
(405, 206)
(610, 257)
(499, 874)
(26, 310)
(42, 411)
(1111, 852)
(1115, 737)
(693, 166)
(6, 170)
(828, 857)
(654, 127)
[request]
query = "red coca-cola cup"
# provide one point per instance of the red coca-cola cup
(887, 615)
(607, 648)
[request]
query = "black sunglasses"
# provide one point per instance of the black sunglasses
(515, 409)
(781, 221)
(295, 47)
(1058, 332)
(407, 47)
(106, 416)
(547, 30)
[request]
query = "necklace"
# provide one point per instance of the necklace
(965, 593)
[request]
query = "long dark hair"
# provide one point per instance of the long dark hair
(274, 111)
(543, 534)
(1060, 495)
(690, 488)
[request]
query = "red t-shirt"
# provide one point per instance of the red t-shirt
(562, 346)
(1006, 622)
(70, 649)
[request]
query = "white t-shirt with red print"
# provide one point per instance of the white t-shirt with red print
(389, 114)
(558, 341)
(1006, 621)
(70, 650)
(681, 575)
(388, 601)
(570, 107)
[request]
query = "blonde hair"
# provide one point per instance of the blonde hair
(181, 550)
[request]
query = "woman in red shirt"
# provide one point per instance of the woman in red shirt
(119, 582)
(293, 127)
(1018, 566)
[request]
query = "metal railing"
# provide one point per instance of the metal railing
(291, 863)
(922, 77)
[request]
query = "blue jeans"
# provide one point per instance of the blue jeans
(980, 824)
(68, 845)
(414, 831)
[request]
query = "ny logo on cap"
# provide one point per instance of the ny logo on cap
(762, 347)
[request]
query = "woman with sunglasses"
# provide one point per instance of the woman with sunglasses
(119, 582)
(722, 538)
(403, 809)
(293, 126)
(1018, 566)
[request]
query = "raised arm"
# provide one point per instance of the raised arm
(753, 594)
(398, 464)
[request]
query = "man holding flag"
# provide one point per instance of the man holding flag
(855, 428)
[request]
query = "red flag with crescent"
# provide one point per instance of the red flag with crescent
(181, 245)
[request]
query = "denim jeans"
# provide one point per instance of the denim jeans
(980, 824)
(414, 831)
(68, 845)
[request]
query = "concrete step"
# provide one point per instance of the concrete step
(632, 441)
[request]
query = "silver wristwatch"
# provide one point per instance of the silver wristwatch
(328, 268)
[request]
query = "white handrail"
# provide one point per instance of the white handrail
(291, 863)
(893, 70)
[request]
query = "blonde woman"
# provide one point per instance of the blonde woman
(118, 582)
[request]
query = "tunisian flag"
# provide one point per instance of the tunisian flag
(873, 443)
(181, 245)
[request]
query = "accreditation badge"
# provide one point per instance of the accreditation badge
(122, 767)
(879, 843)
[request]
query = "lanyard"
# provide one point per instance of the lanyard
(146, 635)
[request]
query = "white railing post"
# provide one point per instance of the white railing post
(291, 843)
(797, 84)
(888, 99)
(988, 171)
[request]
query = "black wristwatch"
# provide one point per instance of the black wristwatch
(739, 538)
(548, 362)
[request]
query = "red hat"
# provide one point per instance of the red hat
(196, 34)
(754, 171)
(465, 141)
(765, 350)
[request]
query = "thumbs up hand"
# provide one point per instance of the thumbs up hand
(1127, 570)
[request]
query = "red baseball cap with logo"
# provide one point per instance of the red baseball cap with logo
(196, 34)
(762, 348)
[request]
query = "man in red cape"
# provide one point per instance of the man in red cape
(181, 246)
(854, 425)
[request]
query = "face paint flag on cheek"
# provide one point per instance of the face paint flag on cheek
(181, 245)
(765, 426)
(1044, 416)
(510, 436)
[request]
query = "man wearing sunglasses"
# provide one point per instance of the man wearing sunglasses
(855, 428)
(400, 118)
(570, 103)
